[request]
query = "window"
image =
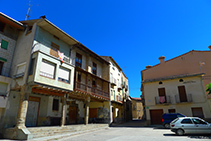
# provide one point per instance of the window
(47, 69)
(181, 80)
(94, 68)
(4, 44)
(186, 121)
(1, 67)
(93, 83)
(55, 105)
(2, 25)
(197, 112)
(79, 77)
(78, 61)
(64, 75)
(54, 50)
(172, 110)
(20, 70)
(31, 67)
(198, 121)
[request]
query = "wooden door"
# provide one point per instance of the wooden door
(182, 94)
(92, 112)
(32, 111)
(156, 116)
(72, 114)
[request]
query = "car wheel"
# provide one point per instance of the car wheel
(180, 132)
(167, 125)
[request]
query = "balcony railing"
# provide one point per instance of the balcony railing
(126, 87)
(5, 72)
(162, 99)
(181, 100)
(113, 81)
(119, 98)
(91, 90)
(119, 86)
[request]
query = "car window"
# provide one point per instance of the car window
(198, 121)
(186, 121)
(180, 116)
(172, 116)
(175, 120)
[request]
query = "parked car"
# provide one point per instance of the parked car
(190, 125)
(167, 118)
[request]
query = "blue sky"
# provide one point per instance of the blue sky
(135, 33)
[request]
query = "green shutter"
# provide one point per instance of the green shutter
(2, 59)
(4, 44)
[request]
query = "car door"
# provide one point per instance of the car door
(188, 126)
(202, 127)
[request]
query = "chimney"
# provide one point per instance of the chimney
(149, 66)
(209, 47)
(162, 59)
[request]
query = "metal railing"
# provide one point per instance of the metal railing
(113, 81)
(91, 90)
(181, 100)
(162, 99)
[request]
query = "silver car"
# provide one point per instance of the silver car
(190, 125)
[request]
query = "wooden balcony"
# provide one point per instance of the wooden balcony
(91, 90)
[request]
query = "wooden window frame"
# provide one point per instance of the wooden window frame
(77, 62)
(54, 50)
(94, 68)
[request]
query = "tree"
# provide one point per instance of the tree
(208, 88)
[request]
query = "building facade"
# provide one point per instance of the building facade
(56, 81)
(9, 30)
(177, 85)
(119, 93)
(137, 108)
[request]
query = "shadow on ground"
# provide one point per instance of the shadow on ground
(136, 124)
(192, 136)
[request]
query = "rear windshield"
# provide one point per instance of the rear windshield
(175, 120)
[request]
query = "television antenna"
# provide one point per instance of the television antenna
(29, 9)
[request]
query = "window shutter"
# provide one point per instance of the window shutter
(47, 69)
(64, 73)
(4, 44)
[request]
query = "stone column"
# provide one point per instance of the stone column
(23, 106)
(64, 102)
(20, 130)
(86, 119)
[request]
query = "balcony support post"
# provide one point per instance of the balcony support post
(63, 119)
(86, 119)
(21, 131)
